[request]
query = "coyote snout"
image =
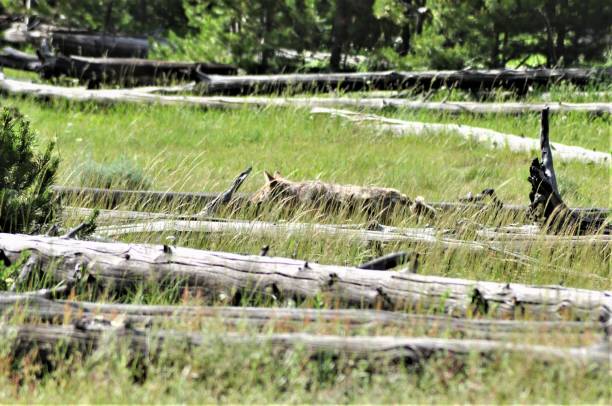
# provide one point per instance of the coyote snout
(377, 202)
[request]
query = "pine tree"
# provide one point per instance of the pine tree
(26, 199)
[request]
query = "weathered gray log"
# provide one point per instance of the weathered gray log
(33, 307)
(489, 138)
(120, 265)
(87, 337)
(160, 95)
(110, 198)
(15, 59)
(385, 103)
(474, 80)
(428, 236)
(547, 206)
(127, 71)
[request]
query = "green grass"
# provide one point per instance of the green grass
(192, 150)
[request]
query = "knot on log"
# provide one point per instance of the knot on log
(333, 278)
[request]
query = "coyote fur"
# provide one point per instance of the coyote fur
(376, 202)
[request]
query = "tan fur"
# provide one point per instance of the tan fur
(377, 202)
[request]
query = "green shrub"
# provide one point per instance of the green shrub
(122, 173)
(26, 199)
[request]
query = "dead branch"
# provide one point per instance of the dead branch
(225, 197)
(547, 206)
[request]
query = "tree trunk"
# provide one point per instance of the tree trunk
(339, 33)
(117, 266)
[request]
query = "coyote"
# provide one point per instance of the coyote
(377, 202)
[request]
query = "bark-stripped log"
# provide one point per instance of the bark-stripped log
(428, 236)
(14, 59)
(473, 80)
(120, 265)
(87, 337)
(160, 95)
(127, 71)
(289, 319)
(385, 103)
(485, 136)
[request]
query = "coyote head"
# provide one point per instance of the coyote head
(275, 188)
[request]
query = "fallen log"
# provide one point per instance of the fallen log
(487, 137)
(37, 308)
(127, 71)
(385, 103)
(97, 44)
(78, 42)
(86, 337)
(111, 198)
(160, 95)
(547, 206)
(427, 236)
(14, 59)
(473, 80)
(117, 266)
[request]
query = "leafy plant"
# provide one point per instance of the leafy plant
(122, 173)
(26, 176)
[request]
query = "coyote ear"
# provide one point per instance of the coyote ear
(277, 174)
(269, 178)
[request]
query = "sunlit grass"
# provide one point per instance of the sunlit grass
(186, 149)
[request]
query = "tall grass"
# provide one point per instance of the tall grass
(186, 149)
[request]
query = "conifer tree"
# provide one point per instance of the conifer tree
(26, 176)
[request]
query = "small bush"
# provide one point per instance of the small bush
(121, 173)
(26, 199)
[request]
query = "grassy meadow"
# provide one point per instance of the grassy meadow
(187, 149)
